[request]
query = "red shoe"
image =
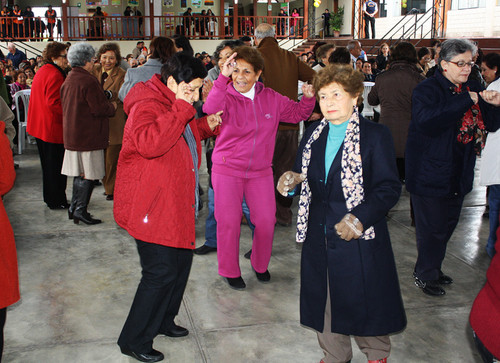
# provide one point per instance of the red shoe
(384, 360)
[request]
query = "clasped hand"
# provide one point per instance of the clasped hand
(349, 227)
(288, 181)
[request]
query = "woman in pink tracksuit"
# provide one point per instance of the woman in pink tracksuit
(242, 158)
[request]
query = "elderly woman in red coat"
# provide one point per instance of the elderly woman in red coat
(9, 282)
(45, 123)
(156, 196)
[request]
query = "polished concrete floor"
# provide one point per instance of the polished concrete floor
(78, 281)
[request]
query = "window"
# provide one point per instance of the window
(415, 6)
(467, 4)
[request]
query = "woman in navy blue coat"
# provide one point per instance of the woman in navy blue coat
(447, 129)
(349, 282)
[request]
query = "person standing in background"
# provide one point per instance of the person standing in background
(51, 16)
(326, 22)
(370, 9)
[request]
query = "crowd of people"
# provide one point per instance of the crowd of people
(137, 122)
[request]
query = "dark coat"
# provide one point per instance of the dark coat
(9, 280)
(393, 89)
(85, 112)
(363, 282)
(282, 72)
(437, 165)
(113, 84)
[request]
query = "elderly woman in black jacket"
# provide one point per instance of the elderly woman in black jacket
(447, 129)
(349, 283)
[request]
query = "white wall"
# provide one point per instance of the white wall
(473, 23)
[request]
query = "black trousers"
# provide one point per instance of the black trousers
(54, 183)
(165, 271)
(369, 20)
(3, 316)
(435, 221)
(284, 156)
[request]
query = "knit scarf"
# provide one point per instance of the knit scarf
(471, 127)
(351, 175)
(191, 141)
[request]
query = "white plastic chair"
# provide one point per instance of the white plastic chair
(368, 110)
(24, 95)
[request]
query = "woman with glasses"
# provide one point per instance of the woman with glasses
(45, 123)
(447, 130)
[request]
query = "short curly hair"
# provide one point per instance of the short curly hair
(53, 50)
(114, 47)
(346, 76)
(80, 53)
(250, 55)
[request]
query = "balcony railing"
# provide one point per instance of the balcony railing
(144, 27)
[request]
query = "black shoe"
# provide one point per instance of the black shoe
(153, 356)
(109, 197)
(236, 283)
(444, 279)
(283, 224)
(203, 250)
(263, 277)
(248, 254)
(84, 191)
(175, 331)
(59, 206)
(430, 287)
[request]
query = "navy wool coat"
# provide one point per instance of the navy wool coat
(362, 277)
(437, 165)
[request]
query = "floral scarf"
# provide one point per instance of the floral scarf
(351, 175)
(471, 127)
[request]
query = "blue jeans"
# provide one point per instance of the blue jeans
(494, 202)
(211, 223)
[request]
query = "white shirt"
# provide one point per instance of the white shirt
(490, 156)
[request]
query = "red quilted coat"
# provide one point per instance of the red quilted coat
(155, 182)
(9, 281)
(45, 111)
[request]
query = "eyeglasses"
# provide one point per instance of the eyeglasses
(461, 64)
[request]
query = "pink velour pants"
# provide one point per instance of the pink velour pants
(228, 196)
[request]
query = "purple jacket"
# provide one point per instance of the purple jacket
(245, 146)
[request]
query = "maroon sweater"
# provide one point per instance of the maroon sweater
(85, 112)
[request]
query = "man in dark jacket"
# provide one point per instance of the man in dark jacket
(282, 72)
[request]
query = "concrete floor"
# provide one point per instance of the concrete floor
(78, 282)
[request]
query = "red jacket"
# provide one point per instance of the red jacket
(45, 110)
(9, 281)
(485, 313)
(155, 180)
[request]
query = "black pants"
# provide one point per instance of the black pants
(54, 183)
(3, 316)
(486, 355)
(369, 19)
(50, 28)
(435, 221)
(165, 271)
(285, 152)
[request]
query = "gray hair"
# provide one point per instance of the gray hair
(453, 47)
(264, 30)
(80, 53)
(352, 44)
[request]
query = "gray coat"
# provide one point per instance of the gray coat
(139, 74)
